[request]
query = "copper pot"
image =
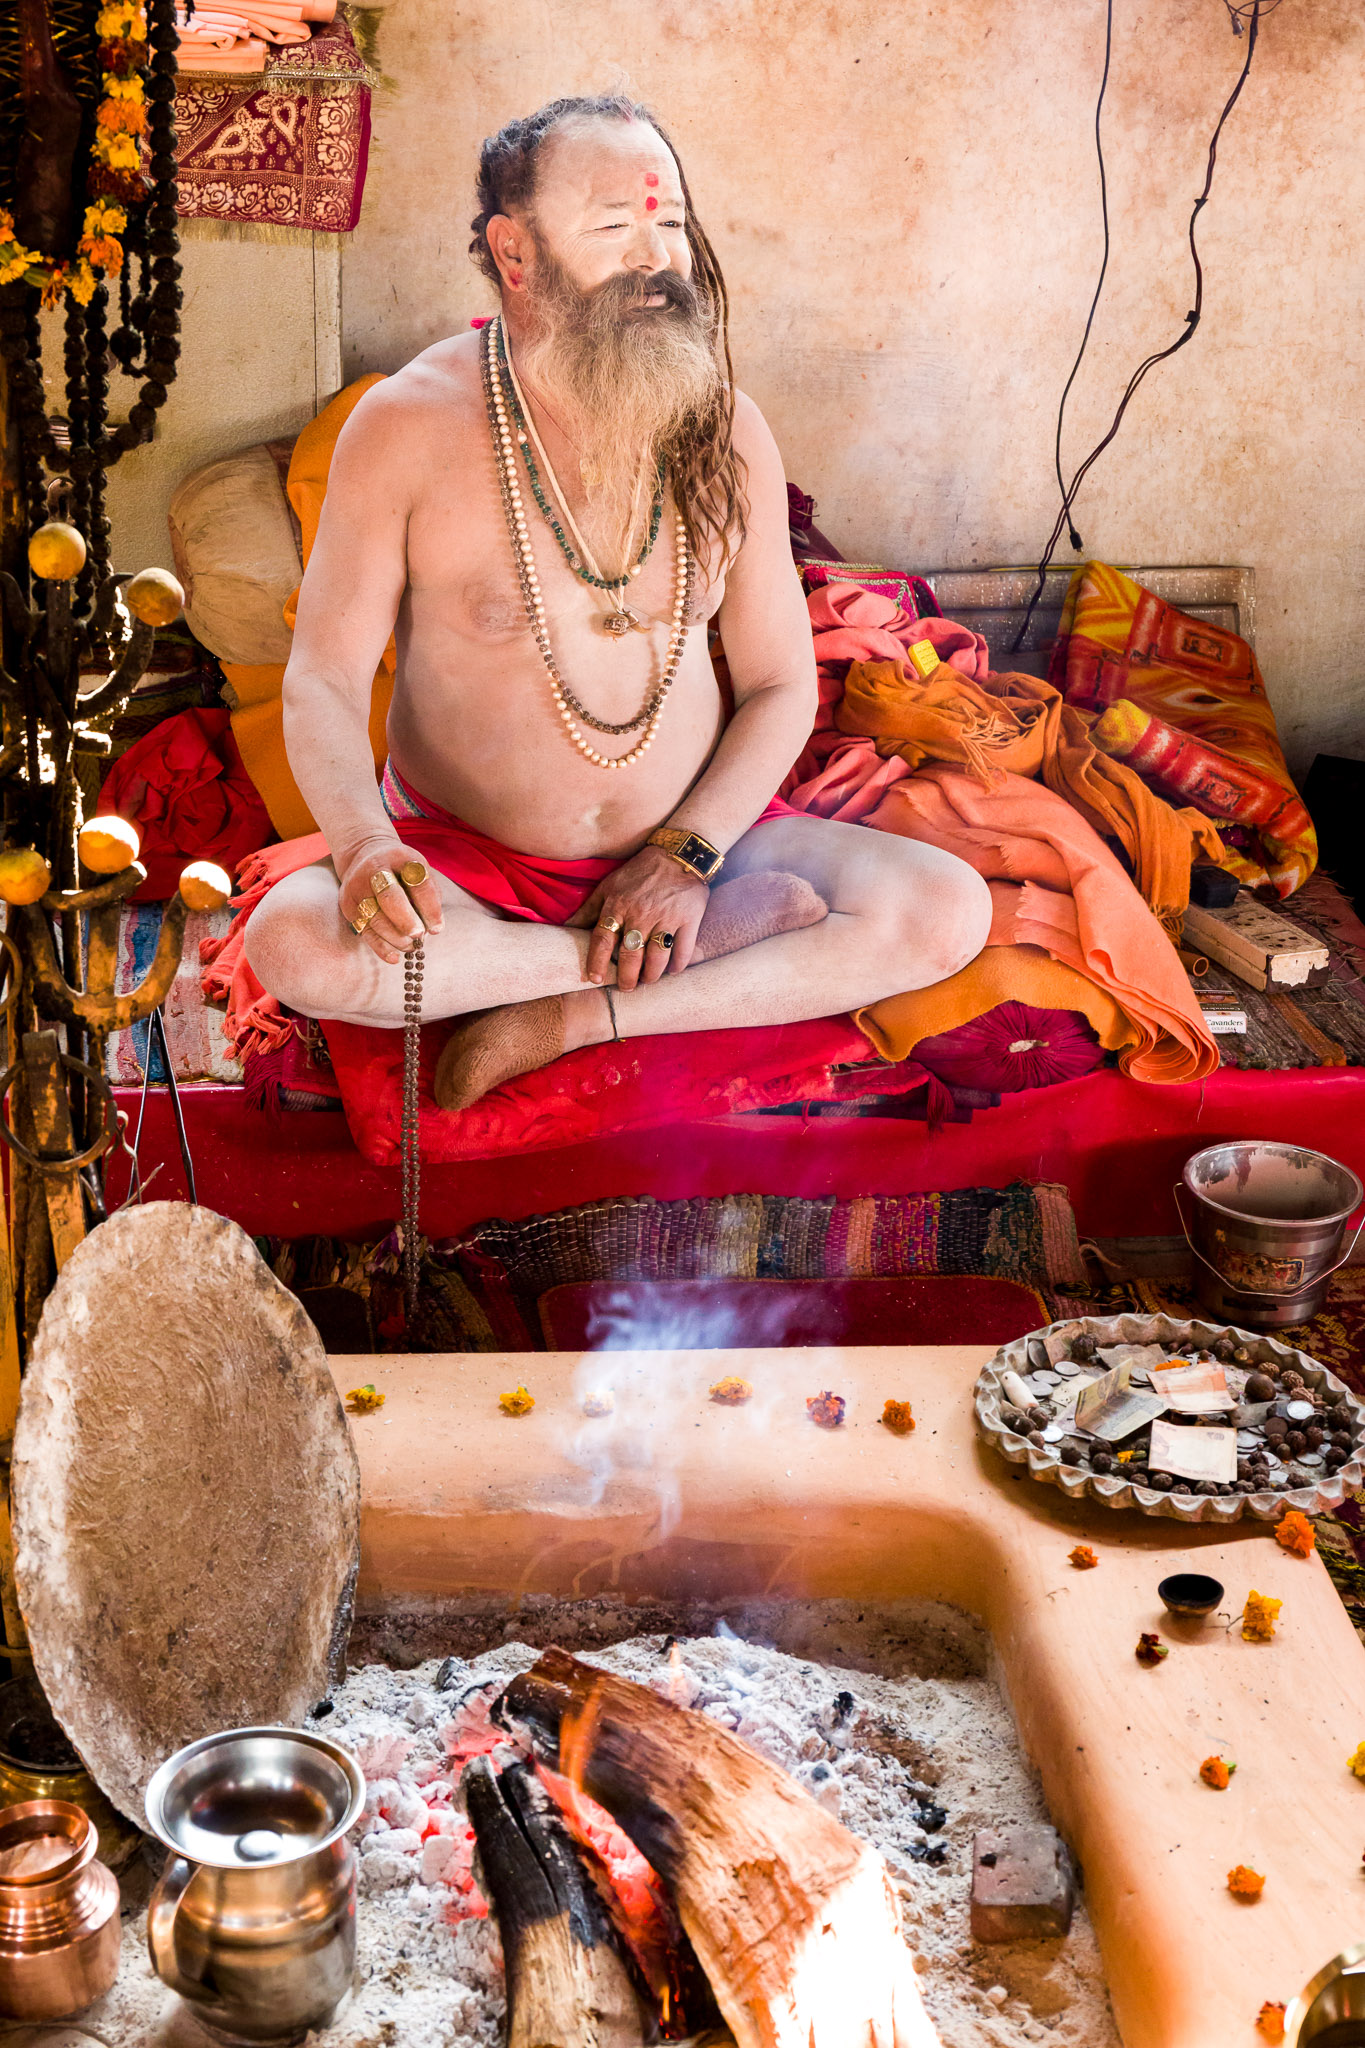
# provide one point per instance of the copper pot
(59, 1912)
(38, 1762)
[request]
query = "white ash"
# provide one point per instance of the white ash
(885, 1747)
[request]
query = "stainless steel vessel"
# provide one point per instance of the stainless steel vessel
(1266, 1229)
(59, 1912)
(1330, 2010)
(253, 1921)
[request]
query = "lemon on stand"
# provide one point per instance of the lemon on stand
(56, 552)
(155, 597)
(24, 875)
(205, 886)
(107, 845)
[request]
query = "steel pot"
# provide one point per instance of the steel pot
(59, 1912)
(253, 1921)
(1330, 2010)
(1266, 1229)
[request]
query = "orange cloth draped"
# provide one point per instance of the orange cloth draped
(256, 693)
(1019, 724)
(1118, 642)
(1056, 885)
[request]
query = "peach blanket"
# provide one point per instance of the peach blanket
(1055, 884)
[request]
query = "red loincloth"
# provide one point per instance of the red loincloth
(525, 886)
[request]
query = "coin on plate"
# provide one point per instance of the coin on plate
(1299, 1411)
(1054, 1433)
(1067, 1367)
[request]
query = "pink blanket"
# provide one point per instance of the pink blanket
(840, 775)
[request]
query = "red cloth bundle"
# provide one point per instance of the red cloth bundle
(1214, 782)
(185, 789)
(1014, 1046)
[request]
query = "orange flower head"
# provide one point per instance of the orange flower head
(897, 1418)
(1244, 1882)
(1295, 1534)
(1270, 2020)
(1215, 1771)
(1258, 1617)
(1355, 1762)
(1150, 1650)
(732, 1391)
(364, 1400)
(1082, 1557)
(826, 1409)
(518, 1402)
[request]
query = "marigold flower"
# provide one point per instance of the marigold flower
(732, 1391)
(118, 151)
(896, 1417)
(1270, 2020)
(1244, 1882)
(1258, 1617)
(103, 252)
(13, 267)
(1150, 1650)
(122, 117)
(104, 219)
(1355, 1762)
(81, 282)
(1295, 1533)
(519, 1402)
(1082, 1557)
(123, 89)
(1216, 1772)
(364, 1400)
(826, 1409)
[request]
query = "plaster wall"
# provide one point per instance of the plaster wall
(260, 355)
(906, 206)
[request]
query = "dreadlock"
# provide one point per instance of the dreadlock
(707, 472)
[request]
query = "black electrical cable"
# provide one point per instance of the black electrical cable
(1192, 318)
(1104, 262)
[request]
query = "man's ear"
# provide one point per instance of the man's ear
(507, 241)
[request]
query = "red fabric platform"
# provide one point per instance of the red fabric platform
(1117, 1145)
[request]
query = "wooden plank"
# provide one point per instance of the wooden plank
(1257, 943)
(52, 1130)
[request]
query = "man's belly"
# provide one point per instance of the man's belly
(494, 751)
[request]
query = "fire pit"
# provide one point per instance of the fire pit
(467, 1507)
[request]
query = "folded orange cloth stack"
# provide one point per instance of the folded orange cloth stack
(238, 35)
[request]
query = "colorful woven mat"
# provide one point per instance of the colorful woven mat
(285, 150)
(481, 1291)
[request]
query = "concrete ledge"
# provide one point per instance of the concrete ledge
(674, 1496)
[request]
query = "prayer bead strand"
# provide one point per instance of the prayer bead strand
(566, 703)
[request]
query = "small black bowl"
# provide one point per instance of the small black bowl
(1190, 1593)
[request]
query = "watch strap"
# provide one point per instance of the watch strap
(690, 851)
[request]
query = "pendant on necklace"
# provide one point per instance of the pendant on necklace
(619, 623)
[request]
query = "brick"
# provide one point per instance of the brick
(1023, 1884)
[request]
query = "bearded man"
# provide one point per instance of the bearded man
(548, 513)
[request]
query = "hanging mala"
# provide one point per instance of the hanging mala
(413, 968)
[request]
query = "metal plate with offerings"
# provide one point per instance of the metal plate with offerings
(1196, 1421)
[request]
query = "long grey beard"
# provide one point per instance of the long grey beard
(625, 385)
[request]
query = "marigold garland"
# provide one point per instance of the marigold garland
(115, 170)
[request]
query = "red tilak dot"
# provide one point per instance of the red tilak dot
(651, 177)
(651, 205)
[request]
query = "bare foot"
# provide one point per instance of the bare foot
(754, 907)
(493, 1046)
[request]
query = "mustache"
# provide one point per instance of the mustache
(630, 293)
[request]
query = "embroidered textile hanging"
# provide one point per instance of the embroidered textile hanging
(287, 149)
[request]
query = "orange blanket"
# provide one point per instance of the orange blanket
(1019, 724)
(1055, 885)
(1119, 642)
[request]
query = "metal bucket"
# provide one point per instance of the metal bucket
(1266, 1230)
(1330, 2010)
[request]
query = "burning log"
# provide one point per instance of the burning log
(795, 1921)
(567, 1984)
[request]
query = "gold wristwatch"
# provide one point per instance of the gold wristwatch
(690, 851)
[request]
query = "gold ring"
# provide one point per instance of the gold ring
(380, 881)
(367, 908)
(607, 923)
(664, 939)
(413, 873)
(358, 925)
(633, 941)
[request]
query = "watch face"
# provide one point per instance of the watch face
(698, 854)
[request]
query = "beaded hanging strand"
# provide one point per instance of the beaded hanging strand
(566, 703)
(622, 618)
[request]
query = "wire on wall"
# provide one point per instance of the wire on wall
(1239, 11)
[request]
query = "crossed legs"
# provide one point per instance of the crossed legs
(900, 916)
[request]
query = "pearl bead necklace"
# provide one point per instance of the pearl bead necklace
(566, 703)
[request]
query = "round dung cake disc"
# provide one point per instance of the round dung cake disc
(186, 1495)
